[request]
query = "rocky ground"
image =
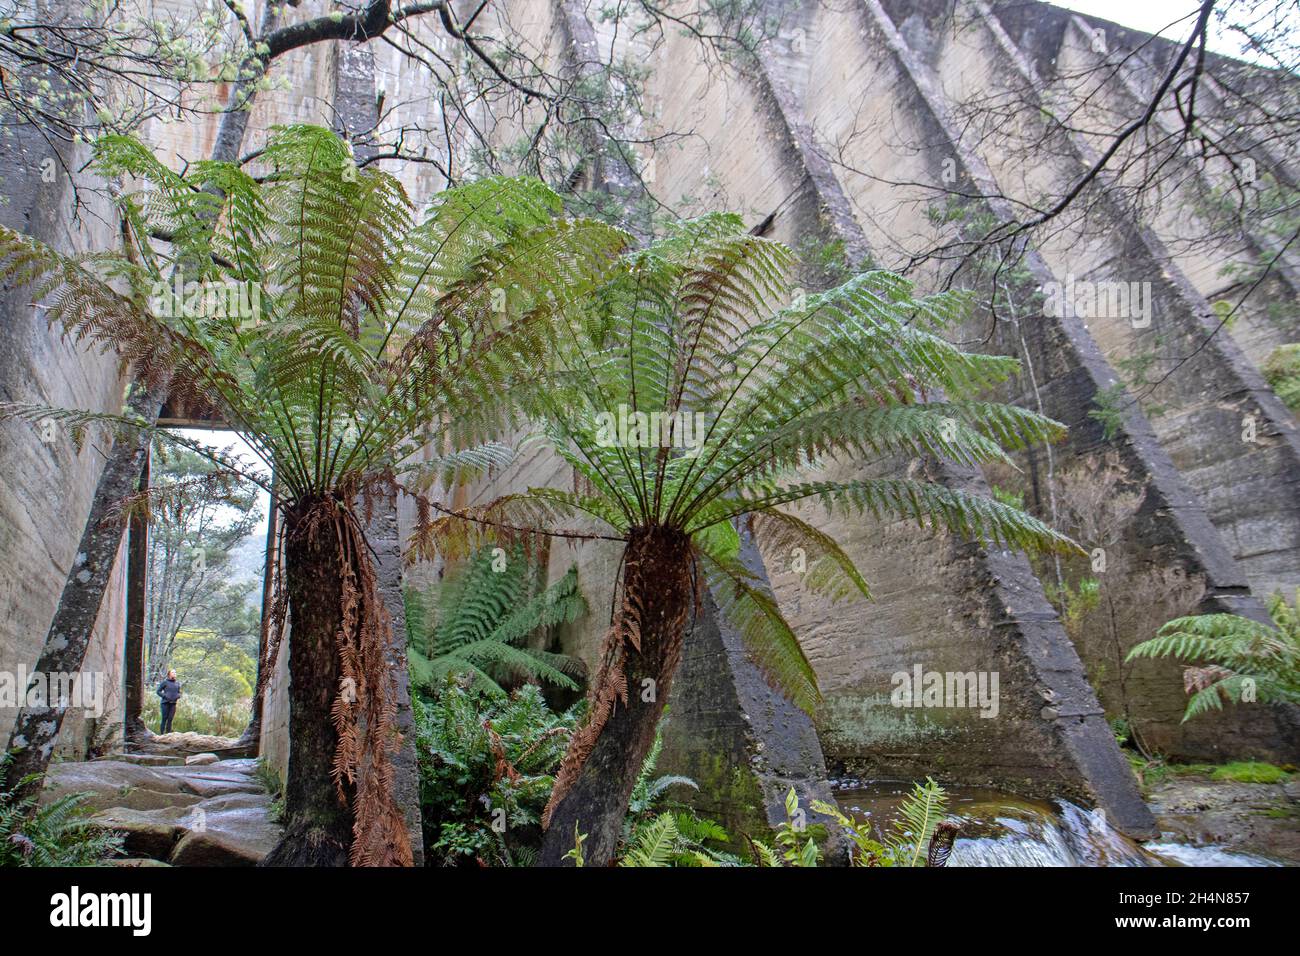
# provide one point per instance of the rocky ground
(175, 806)
(1262, 819)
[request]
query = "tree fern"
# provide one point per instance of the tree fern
(371, 327)
(754, 384)
(1236, 660)
(374, 333)
(704, 322)
(483, 614)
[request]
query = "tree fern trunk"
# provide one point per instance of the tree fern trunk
(658, 594)
(318, 826)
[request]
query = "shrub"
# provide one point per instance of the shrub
(1233, 659)
(59, 833)
(487, 765)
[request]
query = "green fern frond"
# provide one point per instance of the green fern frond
(767, 636)
(369, 330)
(918, 815)
(59, 832)
(653, 843)
(483, 615)
(1248, 661)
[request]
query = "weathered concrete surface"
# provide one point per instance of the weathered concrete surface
(383, 534)
(1160, 556)
(1229, 436)
(1052, 711)
(1100, 87)
(46, 486)
(273, 744)
(740, 740)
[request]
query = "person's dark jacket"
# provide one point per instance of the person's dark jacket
(170, 691)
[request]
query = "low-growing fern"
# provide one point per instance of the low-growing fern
(918, 815)
(654, 843)
(918, 836)
(58, 833)
(693, 840)
(486, 769)
(1231, 658)
(482, 617)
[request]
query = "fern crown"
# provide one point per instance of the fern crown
(699, 385)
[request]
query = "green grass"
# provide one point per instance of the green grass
(1150, 773)
(1250, 772)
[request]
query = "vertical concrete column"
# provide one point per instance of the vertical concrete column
(137, 599)
(355, 107)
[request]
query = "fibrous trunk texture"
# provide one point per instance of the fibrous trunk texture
(339, 807)
(641, 654)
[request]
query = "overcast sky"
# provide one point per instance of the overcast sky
(1156, 16)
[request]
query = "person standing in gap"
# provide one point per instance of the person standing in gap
(169, 691)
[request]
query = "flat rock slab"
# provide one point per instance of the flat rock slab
(148, 760)
(225, 776)
(186, 744)
(200, 815)
(1256, 818)
(142, 799)
(237, 836)
(108, 781)
(145, 832)
(134, 863)
(234, 830)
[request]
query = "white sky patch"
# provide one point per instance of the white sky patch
(230, 444)
(1172, 19)
(233, 446)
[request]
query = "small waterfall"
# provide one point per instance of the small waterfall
(1184, 854)
(1000, 829)
(1069, 836)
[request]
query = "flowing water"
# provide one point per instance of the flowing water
(1000, 829)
